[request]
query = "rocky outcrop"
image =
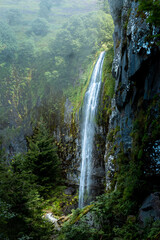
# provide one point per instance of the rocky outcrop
(150, 209)
(136, 68)
(67, 137)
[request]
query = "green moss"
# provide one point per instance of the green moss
(153, 8)
(127, 19)
(107, 90)
(107, 78)
(77, 215)
(113, 134)
(150, 10)
(140, 153)
(76, 93)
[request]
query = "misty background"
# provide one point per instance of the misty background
(47, 52)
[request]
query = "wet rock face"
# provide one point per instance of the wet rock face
(136, 68)
(150, 209)
(134, 55)
(67, 137)
(116, 9)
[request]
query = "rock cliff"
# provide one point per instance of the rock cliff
(136, 69)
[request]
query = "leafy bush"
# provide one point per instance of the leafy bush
(8, 43)
(40, 27)
(14, 17)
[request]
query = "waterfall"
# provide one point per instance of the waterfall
(88, 131)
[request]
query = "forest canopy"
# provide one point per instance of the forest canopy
(46, 47)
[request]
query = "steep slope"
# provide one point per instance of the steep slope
(135, 107)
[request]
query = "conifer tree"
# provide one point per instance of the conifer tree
(20, 203)
(42, 158)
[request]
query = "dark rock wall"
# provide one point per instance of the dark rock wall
(136, 68)
(150, 208)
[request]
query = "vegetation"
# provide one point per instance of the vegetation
(153, 8)
(109, 223)
(47, 51)
(150, 10)
(40, 27)
(42, 158)
(60, 203)
(115, 214)
(107, 78)
(43, 57)
(24, 184)
(47, 54)
(107, 89)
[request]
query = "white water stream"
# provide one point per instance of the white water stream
(88, 131)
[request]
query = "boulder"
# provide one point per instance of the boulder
(150, 209)
(70, 191)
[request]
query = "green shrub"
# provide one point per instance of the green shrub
(153, 8)
(40, 27)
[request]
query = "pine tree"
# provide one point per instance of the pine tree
(42, 158)
(20, 203)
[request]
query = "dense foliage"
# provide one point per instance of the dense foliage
(47, 48)
(42, 159)
(44, 53)
(24, 184)
(106, 220)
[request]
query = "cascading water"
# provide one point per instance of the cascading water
(88, 131)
